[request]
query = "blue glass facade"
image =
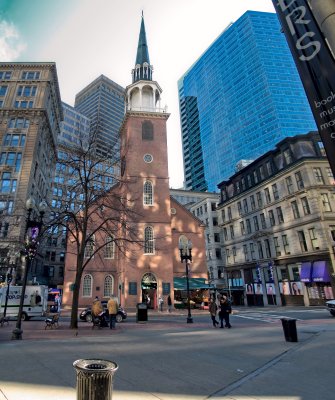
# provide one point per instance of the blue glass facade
(247, 96)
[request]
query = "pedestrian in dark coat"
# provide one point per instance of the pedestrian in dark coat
(225, 311)
(169, 301)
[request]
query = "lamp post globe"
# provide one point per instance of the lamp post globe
(30, 203)
(42, 207)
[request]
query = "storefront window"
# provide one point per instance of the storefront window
(319, 291)
(295, 274)
(282, 274)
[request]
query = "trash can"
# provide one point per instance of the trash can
(290, 329)
(94, 379)
(142, 312)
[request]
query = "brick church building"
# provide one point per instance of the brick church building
(162, 224)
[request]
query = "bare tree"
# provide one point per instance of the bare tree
(93, 206)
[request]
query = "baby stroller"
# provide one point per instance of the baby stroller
(99, 321)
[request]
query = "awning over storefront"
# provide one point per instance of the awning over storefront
(194, 283)
(306, 272)
(320, 272)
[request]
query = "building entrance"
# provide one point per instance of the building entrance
(149, 290)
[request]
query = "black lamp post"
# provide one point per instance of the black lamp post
(9, 278)
(32, 235)
(186, 254)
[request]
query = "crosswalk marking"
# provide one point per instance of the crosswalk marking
(263, 317)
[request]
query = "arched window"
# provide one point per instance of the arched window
(149, 244)
(148, 197)
(89, 249)
(109, 247)
(87, 286)
(108, 286)
(147, 130)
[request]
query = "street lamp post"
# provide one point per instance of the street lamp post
(9, 278)
(186, 254)
(32, 234)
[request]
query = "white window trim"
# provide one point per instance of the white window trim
(147, 195)
(91, 278)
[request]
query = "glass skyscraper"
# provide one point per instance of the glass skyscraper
(74, 128)
(239, 99)
(103, 102)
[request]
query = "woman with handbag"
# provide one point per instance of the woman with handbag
(213, 308)
(225, 310)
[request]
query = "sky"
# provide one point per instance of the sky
(87, 38)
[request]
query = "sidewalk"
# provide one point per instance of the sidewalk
(174, 361)
(305, 372)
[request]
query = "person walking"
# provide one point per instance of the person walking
(213, 308)
(57, 303)
(148, 301)
(225, 311)
(160, 302)
(169, 301)
(112, 307)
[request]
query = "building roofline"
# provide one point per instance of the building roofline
(102, 78)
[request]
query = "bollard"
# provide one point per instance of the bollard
(95, 379)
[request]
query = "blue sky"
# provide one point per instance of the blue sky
(87, 38)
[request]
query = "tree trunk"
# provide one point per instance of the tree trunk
(75, 300)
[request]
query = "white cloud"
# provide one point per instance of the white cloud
(11, 45)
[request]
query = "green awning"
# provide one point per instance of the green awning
(194, 283)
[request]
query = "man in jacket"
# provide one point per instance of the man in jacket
(97, 311)
(225, 310)
(112, 307)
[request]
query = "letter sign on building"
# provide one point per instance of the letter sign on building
(315, 63)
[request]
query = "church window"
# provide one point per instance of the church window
(108, 286)
(147, 130)
(149, 247)
(89, 249)
(148, 193)
(147, 158)
(109, 247)
(87, 286)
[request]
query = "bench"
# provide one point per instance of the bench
(4, 320)
(52, 322)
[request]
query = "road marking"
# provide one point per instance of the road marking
(263, 317)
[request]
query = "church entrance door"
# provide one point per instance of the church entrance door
(149, 290)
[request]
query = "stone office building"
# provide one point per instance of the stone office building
(277, 218)
(30, 116)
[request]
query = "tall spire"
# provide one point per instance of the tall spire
(143, 69)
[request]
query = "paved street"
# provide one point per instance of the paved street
(168, 359)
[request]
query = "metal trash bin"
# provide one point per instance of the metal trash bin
(142, 312)
(290, 329)
(94, 379)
